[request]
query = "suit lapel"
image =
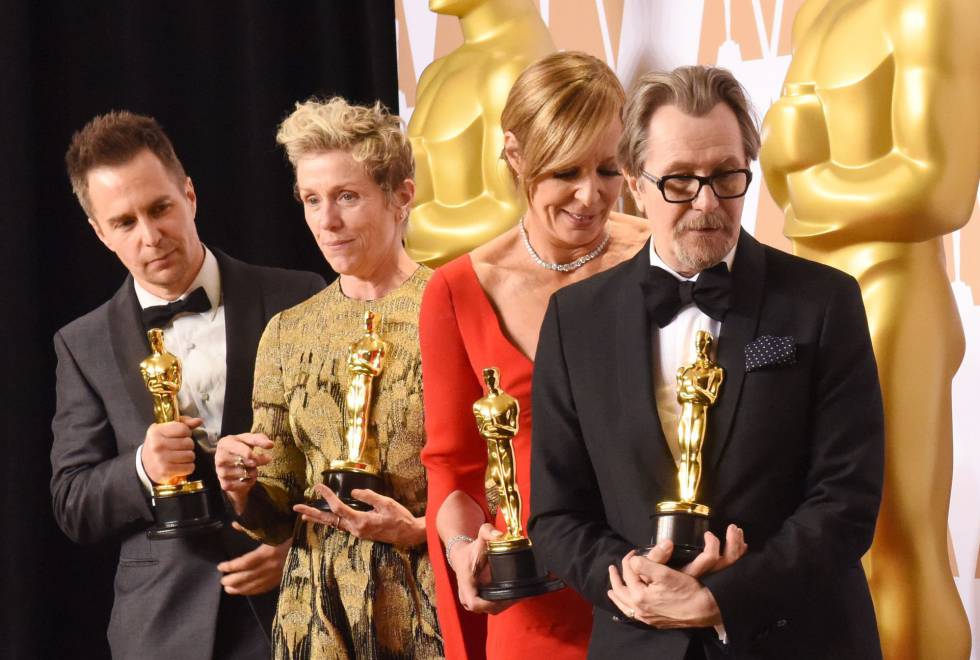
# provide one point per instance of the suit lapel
(244, 323)
(738, 329)
(641, 425)
(130, 346)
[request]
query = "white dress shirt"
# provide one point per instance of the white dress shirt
(198, 340)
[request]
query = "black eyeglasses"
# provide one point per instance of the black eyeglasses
(683, 188)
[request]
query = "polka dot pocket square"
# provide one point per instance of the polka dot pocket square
(768, 351)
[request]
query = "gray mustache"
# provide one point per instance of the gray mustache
(703, 221)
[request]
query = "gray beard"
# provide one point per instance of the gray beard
(695, 253)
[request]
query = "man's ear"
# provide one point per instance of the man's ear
(634, 184)
(190, 193)
(94, 224)
(512, 152)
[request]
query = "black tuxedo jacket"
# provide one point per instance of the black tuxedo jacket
(166, 592)
(793, 454)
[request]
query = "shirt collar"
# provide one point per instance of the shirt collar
(208, 277)
(655, 260)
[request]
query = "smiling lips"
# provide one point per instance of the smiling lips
(580, 218)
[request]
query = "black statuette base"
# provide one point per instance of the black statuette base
(686, 530)
(342, 482)
(187, 514)
(514, 574)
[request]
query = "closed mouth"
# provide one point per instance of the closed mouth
(336, 244)
(162, 257)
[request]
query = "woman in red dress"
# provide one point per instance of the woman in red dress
(561, 125)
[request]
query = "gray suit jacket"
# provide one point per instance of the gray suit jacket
(166, 592)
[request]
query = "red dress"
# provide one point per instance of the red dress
(460, 335)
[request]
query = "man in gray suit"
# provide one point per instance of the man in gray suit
(210, 595)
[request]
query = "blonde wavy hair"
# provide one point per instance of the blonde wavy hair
(370, 134)
(557, 109)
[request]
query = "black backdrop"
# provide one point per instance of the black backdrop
(218, 75)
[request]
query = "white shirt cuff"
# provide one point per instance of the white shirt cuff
(141, 472)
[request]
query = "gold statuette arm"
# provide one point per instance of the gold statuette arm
(713, 387)
(268, 515)
(930, 156)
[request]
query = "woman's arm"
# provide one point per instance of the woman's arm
(266, 511)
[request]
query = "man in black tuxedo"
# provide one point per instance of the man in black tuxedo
(205, 596)
(792, 459)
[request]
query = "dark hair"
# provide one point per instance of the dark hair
(113, 139)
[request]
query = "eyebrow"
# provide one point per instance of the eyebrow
(116, 219)
(684, 166)
(343, 185)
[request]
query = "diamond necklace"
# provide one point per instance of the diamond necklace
(564, 268)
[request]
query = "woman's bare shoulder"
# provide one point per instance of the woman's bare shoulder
(629, 230)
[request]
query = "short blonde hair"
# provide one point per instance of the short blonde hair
(557, 109)
(370, 134)
(695, 90)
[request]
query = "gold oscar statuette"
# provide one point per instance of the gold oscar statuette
(180, 507)
(514, 572)
(873, 153)
(685, 521)
(361, 468)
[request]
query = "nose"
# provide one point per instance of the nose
(148, 232)
(588, 189)
(325, 217)
(706, 200)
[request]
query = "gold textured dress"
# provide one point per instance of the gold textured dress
(342, 597)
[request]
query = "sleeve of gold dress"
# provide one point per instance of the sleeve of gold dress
(269, 516)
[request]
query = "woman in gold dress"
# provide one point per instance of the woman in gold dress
(357, 584)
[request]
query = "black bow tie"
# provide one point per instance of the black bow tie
(160, 315)
(665, 295)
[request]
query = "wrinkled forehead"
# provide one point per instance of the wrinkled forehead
(681, 142)
(138, 182)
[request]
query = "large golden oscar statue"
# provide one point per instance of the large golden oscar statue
(464, 194)
(873, 152)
